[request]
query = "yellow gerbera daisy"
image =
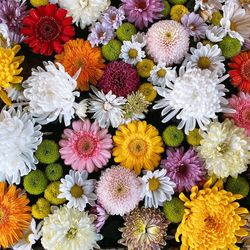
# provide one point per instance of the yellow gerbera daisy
(212, 219)
(9, 70)
(137, 145)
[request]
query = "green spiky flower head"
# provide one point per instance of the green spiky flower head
(112, 50)
(174, 210)
(126, 31)
(172, 136)
(54, 171)
(230, 47)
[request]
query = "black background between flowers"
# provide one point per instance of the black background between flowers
(54, 130)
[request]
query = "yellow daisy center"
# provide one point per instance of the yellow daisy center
(204, 62)
(154, 184)
(161, 73)
(140, 228)
(76, 191)
(132, 53)
(169, 36)
(138, 147)
(71, 234)
(222, 148)
(233, 26)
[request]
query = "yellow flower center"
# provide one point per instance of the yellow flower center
(138, 147)
(154, 184)
(140, 228)
(204, 62)
(132, 53)
(161, 73)
(222, 148)
(71, 234)
(119, 189)
(233, 26)
(76, 191)
(168, 36)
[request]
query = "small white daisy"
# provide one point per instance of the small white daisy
(131, 52)
(77, 190)
(81, 109)
(157, 188)
(215, 33)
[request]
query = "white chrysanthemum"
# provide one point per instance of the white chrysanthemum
(235, 21)
(195, 96)
(4, 36)
(208, 4)
(68, 228)
(157, 188)
(78, 190)
(225, 149)
(31, 236)
(161, 76)
(206, 57)
(19, 138)
(84, 12)
(139, 37)
(51, 94)
(215, 33)
(15, 93)
(107, 109)
(131, 52)
(81, 109)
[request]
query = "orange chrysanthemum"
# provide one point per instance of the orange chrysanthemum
(15, 214)
(79, 54)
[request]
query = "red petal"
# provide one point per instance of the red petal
(57, 47)
(27, 31)
(67, 21)
(34, 14)
(50, 10)
(69, 31)
(65, 38)
(44, 47)
(34, 43)
(60, 14)
(29, 21)
(41, 10)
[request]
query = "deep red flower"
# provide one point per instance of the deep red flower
(240, 71)
(47, 28)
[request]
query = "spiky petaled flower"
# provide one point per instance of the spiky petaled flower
(51, 94)
(15, 216)
(137, 146)
(211, 219)
(71, 229)
(167, 41)
(19, 138)
(215, 33)
(46, 29)
(84, 12)
(224, 148)
(195, 97)
(10, 65)
(144, 228)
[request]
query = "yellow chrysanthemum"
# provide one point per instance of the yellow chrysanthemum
(148, 91)
(137, 145)
(9, 70)
(212, 219)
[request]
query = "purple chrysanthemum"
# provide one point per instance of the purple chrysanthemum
(101, 215)
(142, 12)
(195, 25)
(185, 169)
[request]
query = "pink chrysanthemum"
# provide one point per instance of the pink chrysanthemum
(167, 41)
(101, 215)
(86, 146)
(143, 12)
(119, 77)
(118, 190)
(241, 105)
(185, 169)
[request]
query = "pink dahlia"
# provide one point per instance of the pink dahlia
(185, 169)
(101, 216)
(241, 105)
(119, 77)
(167, 42)
(118, 190)
(86, 146)
(143, 12)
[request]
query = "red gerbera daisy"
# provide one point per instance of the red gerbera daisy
(47, 28)
(240, 71)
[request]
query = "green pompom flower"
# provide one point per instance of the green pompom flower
(174, 210)
(216, 17)
(126, 31)
(112, 50)
(178, 1)
(167, 8)
(51, 193)
(144, 67)
(237, 185)
(230, 46)
(41, 209)
(172, 136)
(194, 138)
(54, 171)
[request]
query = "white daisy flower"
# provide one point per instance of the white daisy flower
(161, 76)
(81, 109)
(157, 188)
(78, 190)
(208, 4)
(206, 57)
(215, 33)
(139, 37)
(107, 109)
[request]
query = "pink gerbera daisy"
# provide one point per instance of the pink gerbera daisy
(86, 146)
(241, 105)
(142, 12)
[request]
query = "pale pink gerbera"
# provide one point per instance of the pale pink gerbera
(241, 105)
(86, 146)
(167, 42)
(142, 12)
(118, 190)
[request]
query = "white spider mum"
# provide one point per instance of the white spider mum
(215, 33)
(81, 109)
(51, 94)
(208, 4)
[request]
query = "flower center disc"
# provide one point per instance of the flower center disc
(138, 147)
(76, 191)
(71, 234)
(154, 184)
(86, 146)
(245, 70)
(246, 115)
(182, 169)
(161, 73)
(204, 62)
(141, 5)
(222, 148)
(132, 53)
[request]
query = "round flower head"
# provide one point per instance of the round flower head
(47, 28)
(69, 228)
(167, 42)
(84, 12)
(206, 91)
(157, 188)
(77, 190)
(111, 51)
(51, 94)
(41, 209)
(19, 138)
(147, 89)
(86, 146)
(185, 169)
(52, 192)
(78, 54)
(178, 11)
(144, 228)
(137, 145)
(172, 136)
(15, 215)
(118, 190)
(230, 47)
(142, 12)
(101, 215)
(211, 219)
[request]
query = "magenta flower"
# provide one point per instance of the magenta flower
(143, 12)
(86, 146)
(101, 215)
(185, 169)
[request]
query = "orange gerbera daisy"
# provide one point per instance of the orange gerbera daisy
(79, 54)
(15, 214)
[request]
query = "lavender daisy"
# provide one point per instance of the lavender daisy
(185, 169)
